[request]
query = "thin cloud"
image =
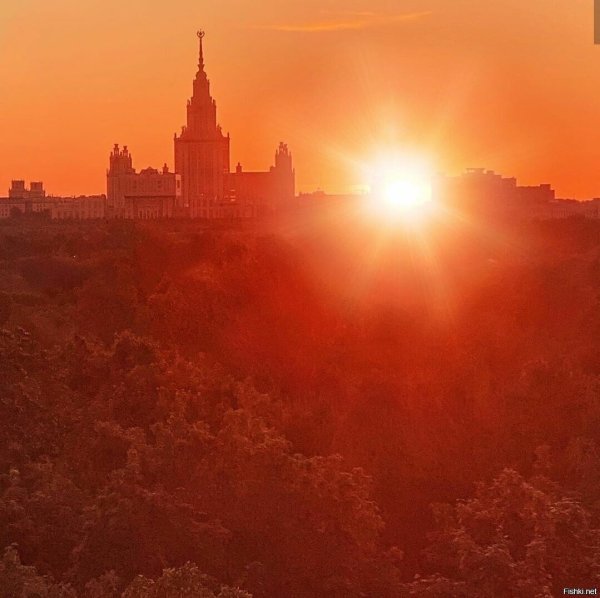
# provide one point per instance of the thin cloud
(363, 20)
(351, 13)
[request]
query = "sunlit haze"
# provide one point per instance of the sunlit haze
(399, 188)
(507, 85)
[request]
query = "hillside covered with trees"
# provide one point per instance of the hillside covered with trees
(299, 411)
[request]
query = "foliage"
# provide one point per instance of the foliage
(515, 538)
(21, 581)
(240, 412)
(184, 582)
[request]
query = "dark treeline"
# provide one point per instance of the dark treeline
(299, 411)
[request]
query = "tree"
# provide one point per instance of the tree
(21, 581)
(183, 582)
(134, 530)
(514, 538)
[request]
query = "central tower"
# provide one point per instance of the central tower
(201, 150)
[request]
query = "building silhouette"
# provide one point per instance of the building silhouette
(203, 185)
(266, 192)
(18, 190)
(33, 201)
(209, 189)
(482, 190)
(148, 194)
(202, 150)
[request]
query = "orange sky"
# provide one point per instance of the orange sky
(509, 85)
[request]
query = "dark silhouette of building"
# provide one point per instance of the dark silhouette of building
(209, 189)
(481, 191)
(22, 201)
(267, 191)
(202, 150)
(18, 190)
(149, 194)
(203, 186)
(485, 191)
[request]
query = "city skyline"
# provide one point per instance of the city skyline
(60, 117)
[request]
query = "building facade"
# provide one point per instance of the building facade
(202, 185)
(265, 192)
(485, 191)
(18, 190)
(202, 158)
(144, 195)
(202, 150)
(86, 207)
(23, 201)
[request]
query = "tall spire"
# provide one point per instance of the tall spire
(200, 35)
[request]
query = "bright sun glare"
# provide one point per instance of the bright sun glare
(400, 188)
(405, 194)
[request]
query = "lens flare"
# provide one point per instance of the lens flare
(400, 189)
(405, 194)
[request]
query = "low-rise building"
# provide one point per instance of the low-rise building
(144, 195)
(569, 208)
(23, 201)
(85, 207)
(18, 190)
(483, 191)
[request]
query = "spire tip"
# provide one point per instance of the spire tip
(200, 33)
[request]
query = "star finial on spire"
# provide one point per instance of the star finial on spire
(200, 33)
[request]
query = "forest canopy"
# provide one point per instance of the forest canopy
(257, 411)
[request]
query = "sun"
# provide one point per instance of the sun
(405, 194)
(400, 189)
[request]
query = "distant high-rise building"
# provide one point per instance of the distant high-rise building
(202, 150)
(209, 189)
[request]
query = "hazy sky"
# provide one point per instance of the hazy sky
(511, 85)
